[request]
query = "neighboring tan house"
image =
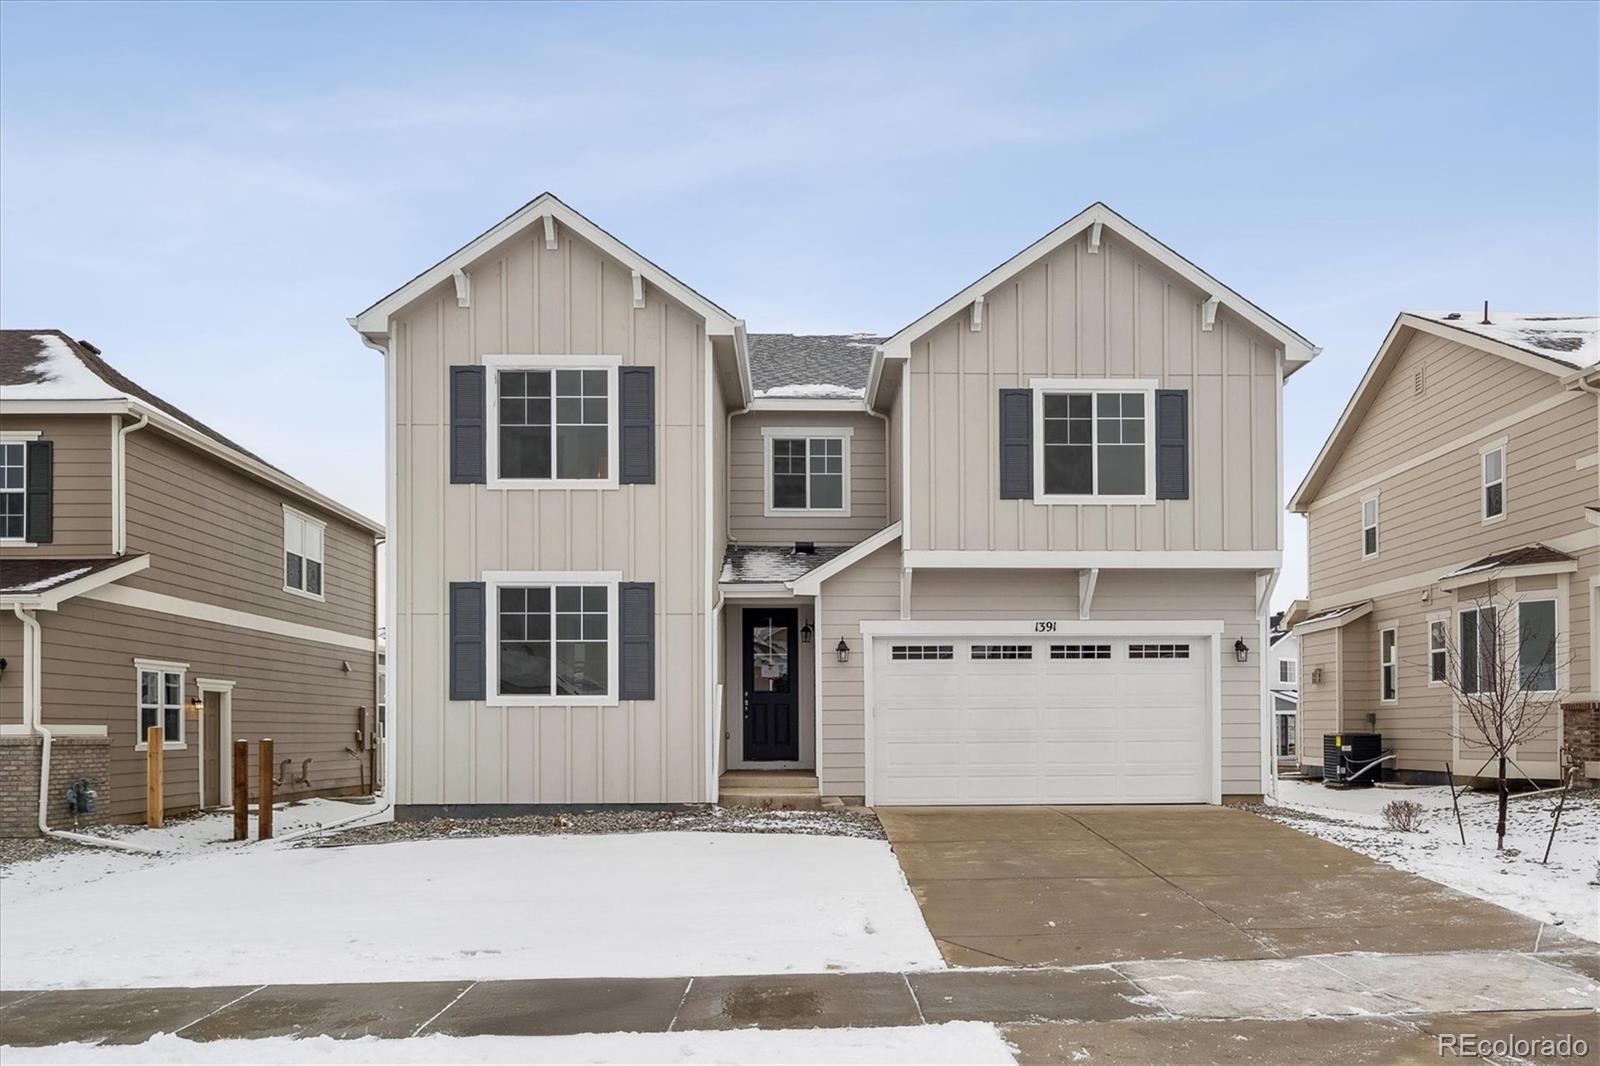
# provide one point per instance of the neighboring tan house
(1019, 551)
(1283, 682)
(153, 572)
(1461, 476)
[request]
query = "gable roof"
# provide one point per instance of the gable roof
(1572, 341)
(817, 366)
(374, 321)
(47, 371)
(1527, 351)
(1297, 349)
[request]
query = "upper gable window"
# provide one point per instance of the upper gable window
(13, 490)
(1096, 440)
(1369, 527)
(303, 540)
(554, 422)
(807, 471)
(1493, 466)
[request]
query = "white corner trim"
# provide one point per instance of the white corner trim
(195, 611)
(811, 583)
(1107, 560)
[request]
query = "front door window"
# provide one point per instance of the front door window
(771, 653)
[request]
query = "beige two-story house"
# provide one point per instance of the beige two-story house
(1018, 551)
(154, 572)
(1461, 478)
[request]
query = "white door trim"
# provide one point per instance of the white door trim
(204, 685)
(806, 689)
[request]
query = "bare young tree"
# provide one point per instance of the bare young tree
(1502, 671)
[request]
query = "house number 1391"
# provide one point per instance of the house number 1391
(1044, 627)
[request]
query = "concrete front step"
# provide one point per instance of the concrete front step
(781, 790)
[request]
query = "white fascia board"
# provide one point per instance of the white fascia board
(1488, 344)
(741, 352)
(1196, 627)
(811, 583)
(1452, 582)
(1297, 349)
(1106, 560)
(756, 590)
(50, 599)
(794, 403)
(374, 321)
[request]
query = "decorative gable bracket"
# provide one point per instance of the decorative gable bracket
(1094, 238)
(1208, 314)
(977, 315)
(463, 288)
(638, 291)
(550, 232)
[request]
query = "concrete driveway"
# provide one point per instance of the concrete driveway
(1071, 886)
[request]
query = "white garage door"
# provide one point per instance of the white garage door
(1012, 720)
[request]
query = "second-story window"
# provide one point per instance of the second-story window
(807, 471)
(1494, 482)
(1095, 440)
(13, 490)
(303, 540)
(1369, 527)
(1286, 671)
(554, 425)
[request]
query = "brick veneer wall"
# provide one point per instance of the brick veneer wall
(1581, 726)
(71, 758)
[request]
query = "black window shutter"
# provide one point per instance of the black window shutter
(1016, 444)
(40, 503)
(468, 641)
(468, 401)
(1172, 444)
(636, 412)
(636, 624)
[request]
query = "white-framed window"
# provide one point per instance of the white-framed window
(1478, 635)
(1536, 645)
(1438, 651)
(1095, 440)
(807, 471)
(1369, 527)
(552, 638)
(159, 702)
(1492, 467)
(304, 538)
(13, 490)
(552, 421)
(1287, 671)
(1388, 665)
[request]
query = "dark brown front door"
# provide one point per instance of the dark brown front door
(771, 685)
(212, 709)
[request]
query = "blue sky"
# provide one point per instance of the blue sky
(207, 192)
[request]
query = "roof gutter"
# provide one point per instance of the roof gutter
(119, 484)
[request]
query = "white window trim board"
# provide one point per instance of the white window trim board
(611, 364)
(494, 579)
(1376, 527)
(158, 666)
(20, 436)
(1555, 601)
(322, 526)
(1041, 386)
(1392, 628)
(808, 433)
(1484, 482)
(1443, 618)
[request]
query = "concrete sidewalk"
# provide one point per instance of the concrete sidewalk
(1179, 992)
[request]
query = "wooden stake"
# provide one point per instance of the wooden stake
(154, 794)
(241, 790)
(1561, 806)
(1451, 777)
(264, 788)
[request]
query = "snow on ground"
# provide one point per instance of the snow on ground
(1564, 892)
(656, 904)
(952, 1042)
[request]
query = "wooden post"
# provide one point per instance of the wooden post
(264, 789)
(154, 794)
(241, 790)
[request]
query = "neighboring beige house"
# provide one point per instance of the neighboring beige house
(1283, 684)
(153, 572)
(1019, 551)
(1461, 476)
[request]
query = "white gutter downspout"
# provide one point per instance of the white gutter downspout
(119, 485)
(33, 718)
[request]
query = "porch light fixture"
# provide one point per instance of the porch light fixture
(1241, 651)
(842, 651)
(192, 707)
(805, 633)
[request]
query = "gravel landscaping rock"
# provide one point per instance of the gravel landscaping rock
(699, 819)
(27, 849)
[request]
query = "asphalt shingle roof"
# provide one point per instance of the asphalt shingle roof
(792, 363)
(1527, 555)
(768, 563)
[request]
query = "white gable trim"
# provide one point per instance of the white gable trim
(1297, 349)
(811, 583)
(374, 321)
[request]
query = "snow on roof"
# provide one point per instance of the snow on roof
(25, 576)
(764, 563)
(1527, 555)
(51, 370)
(1333, 613)
(1572, 339)
(825, 366)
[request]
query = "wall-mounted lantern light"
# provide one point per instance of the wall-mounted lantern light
(805, 633)
(842, 651)
(1241, 651)
(192, 707)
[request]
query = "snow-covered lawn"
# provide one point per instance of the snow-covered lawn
(1563, 892)
(952, 1042)
(651, 904)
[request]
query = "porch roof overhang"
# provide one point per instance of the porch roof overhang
(1529, 561)
(44, 584)
(1334, 617)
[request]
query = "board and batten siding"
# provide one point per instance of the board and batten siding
(747, 474)
(215, 536)
(1114, 314)
(870, 590)
(81, 484)
(297, 692)
(531, 300)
